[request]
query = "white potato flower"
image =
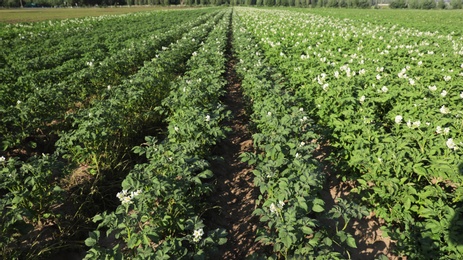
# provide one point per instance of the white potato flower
(197, 234)
(444, 110)
(451, 144)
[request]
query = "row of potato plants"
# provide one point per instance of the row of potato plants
(162, 199)
(297, 223)
(53, 55)
(389, 100)
(32, 189)
(38, 108)
(104, 131)
(423, 20)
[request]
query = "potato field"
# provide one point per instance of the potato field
(233, 133)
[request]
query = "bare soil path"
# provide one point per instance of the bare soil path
(235, 194)
(370, 241)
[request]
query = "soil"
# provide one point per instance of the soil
(370, 242)
(235, 193)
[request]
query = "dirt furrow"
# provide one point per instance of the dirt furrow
(235, 194)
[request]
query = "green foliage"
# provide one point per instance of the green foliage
(440, 4)
(103, 136)
(161, 200)
(392, 113)
(427, 4)
(398, 4)
(285, 172)
(332, 3)
(414, 4)
(269, 2)
(456, 4)
(32, 195)
(103, 131)
(65, 73)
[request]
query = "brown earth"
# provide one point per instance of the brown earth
(369, 239)
(235, 193)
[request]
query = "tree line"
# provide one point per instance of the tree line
(412, 4)
(426, 4)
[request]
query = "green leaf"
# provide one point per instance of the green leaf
(317, 208)
(307, 230)
(97, 218)
(133, 242)
(90, 242)
(351, 241)
(327, 241)
(222, 240)
(318, 205)
(93, 238)
(144, 218)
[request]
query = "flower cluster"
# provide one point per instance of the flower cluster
(451, 144)
(444, 131)
(274, 208)
(197, 234)
(444, 110)
(125, 197)
(415, 124)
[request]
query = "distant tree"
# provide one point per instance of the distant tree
(332, 3)
(284, 3)
(269, 2)
(440, 4)
(259, 2)
(11, 3)
(398, 4)
(427, 4)
(413, 4)
(363, 4)
(342, 3)
(456, 4)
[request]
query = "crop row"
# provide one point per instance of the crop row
(56, 55)
(162, 199)
(38, 194)
(389, 101)
(104, 131)
(39, 104)
(286, 173)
